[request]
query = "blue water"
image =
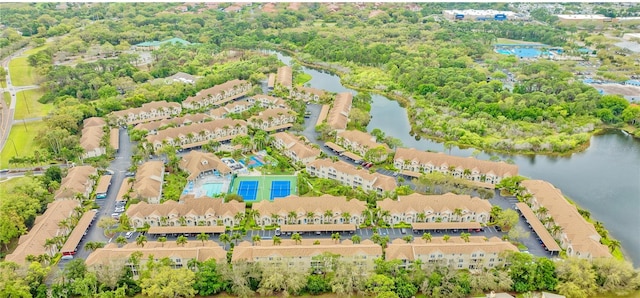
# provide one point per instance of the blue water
(212, 189)
(504, 52)
(254, 163)
(526, 53)
(258, 162)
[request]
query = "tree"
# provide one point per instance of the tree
(348, 279)
(465, 236)
(336, 237)
(296, 237)
(407, 238)
(163, 281)
(278, 279)
(208, 281)
(224, 238)
(615, 276)
(141, 240)
(545, 275)
(255, 239)
(182, 240)
(162, 240)
(518, 233)
(11, 283)
(277, 240)
(317, 284)
(106, 223)
(93, 245)
(577, 278)
(356, 239)
(446, 238)
(507, 219)
(379, 283)
(203, 237)
(236, 237)
(426, 237)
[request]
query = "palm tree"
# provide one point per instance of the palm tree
(274, 218)
(346, 217)
(465, 236)
(458, 213)
(426, 237)
(236, 236)
(542, 211)
(141, 240)
(327, 215)
(93, 245)
(182, 240)
(225, 238)
(336, 237)
(421, 217)
(255, 238)
(376, 238)
(182, 221)
(48, 245)
(555, 229)
(613, 245)
(121, 240)
(310, 216)
(203, 237)
(162, 240)
(407, 238)
(446, 238)
(276, 240)
(238, 217)
(356, 239)
(291, 217)
(297, 238)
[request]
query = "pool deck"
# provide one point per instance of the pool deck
(198, 191)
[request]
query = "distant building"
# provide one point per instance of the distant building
(199, 164)
(435, 208)
(188, 212)
(77, 182)
(284, 77)
(338, 116)
(273, 119)
(218, 95)
(325, 209)
(198, 134)
(360, 143)
(154, 45)
(181, 77)
(147, 186)
(295, 148)
(91, 139)
(306, 93)
(483, 15)
(152, 111)
(578, 18)
(351, 176)
(188, 119)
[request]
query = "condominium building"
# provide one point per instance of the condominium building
(188, 212)
(78, 182)
(309, 253)
(284, 77)
(153, 127)
(269, 102)
(414, 162)
(218, 95)
(435, 208)
(351, 176)
(91, 139)
(156, 110)
(306, 93)
(476, 253)
(298, 149)
(360, 143)
(273, 119)
(198, 134)
(199, 164)
(147, 185)
(339, 114)
(326, 209)
(235, 107)
(577, 236)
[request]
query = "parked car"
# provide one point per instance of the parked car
(128, 234)
(277, 233)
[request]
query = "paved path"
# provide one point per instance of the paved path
(27, 120)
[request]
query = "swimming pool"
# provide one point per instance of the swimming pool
(253, 162)
(504, 52)
(212, 189)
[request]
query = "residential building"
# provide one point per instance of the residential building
(188, 212)
(580, 18)
(218, 95)
(46, 226)
(297, 148)
(199, 134)
(181, 77)
(152, 111)
(235, 107)
(273, 119)
(271, 82)
(339, 113)
(325, 209)
(306, 93)
(483, 15)
(154, 45)
(103, 186)
(266, 101)
(284, 77)
(91, 139)
(199, 164)
(487, 173)
(435, 208)
(114, 139)
(153, 127)
(476, 253)
(78, 182)
(306, 255)
(349, 175)
(360, 143)
(147, 185)
(577, 236)
(180, 255)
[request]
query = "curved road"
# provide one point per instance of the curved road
(8, 113)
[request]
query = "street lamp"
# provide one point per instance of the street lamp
(14, 146)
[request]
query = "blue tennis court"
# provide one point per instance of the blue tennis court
(280, 189)
(248, 190)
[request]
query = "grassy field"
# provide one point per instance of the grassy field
(264, 185)
(7, 185)
(7, 98)
(27, 105)
(22, 74)
(24, 141)
(302, 78)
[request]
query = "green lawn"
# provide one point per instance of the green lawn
(22, 74)
(24, 141)
(302, 78)
(7, 98)
(7, 185)
(264, 185)
(27, 105)
(34, 50)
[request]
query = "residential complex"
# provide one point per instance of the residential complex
(489, 173)
(78, 182)
(306, 93)
(92, 135)
(577, 236)
(198, 134)
(153, 127)
(188, 212)
(266, 101)
(199, 164)
(218, 94)
(231, 108)
(325, 209)
(339, 114)
(147, 185)
(360, 143)
(273, 119)
(152, 111)
(435, 208)
(284, 77)
(349, 175)
(297, 148)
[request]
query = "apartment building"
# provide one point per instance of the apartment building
(153, 127)
(487, 173)
(114, 139)
(180, 255)
(218, 95)
(271, 81)
(325, 209)
(476, 253)
(351, 176)
(152, 111)
(198, 134)
(360, 143)
(188, 212)
(435, 208)
(200, 164)
(45, 227)
(273, 119)
(147, 185)
(235, 107)
(298, 149)
(339, 114)
(284, 77)
(306, 255)
(306, 93)
(91, 139)
(269, 102)
(79, 181)
(577, 236)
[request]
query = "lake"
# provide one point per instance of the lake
(604, 179)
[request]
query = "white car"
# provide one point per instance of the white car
(128, 234)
